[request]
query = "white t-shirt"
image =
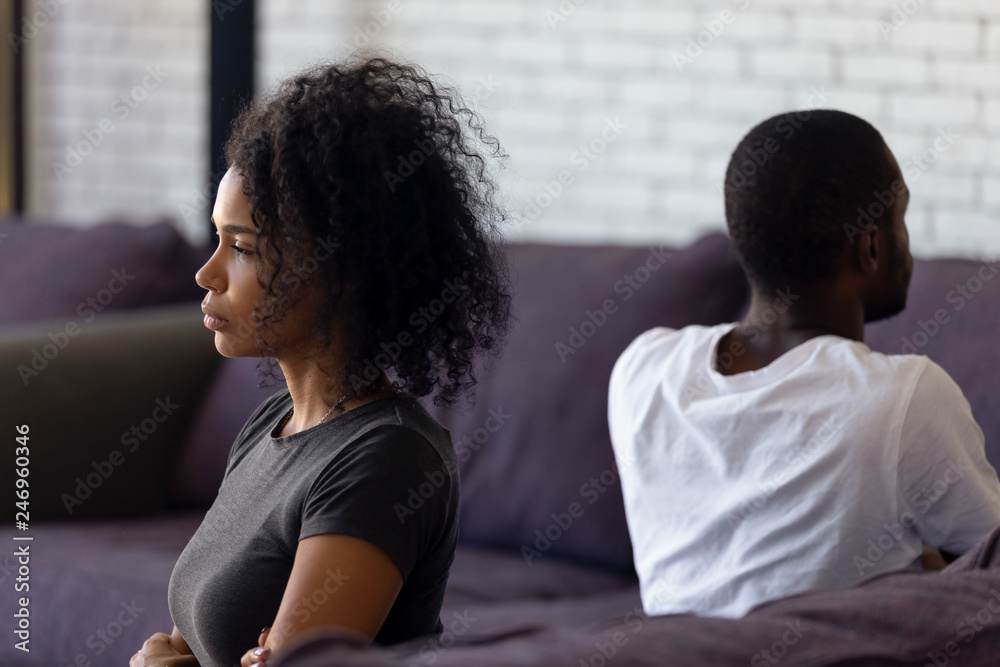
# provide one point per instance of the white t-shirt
(828, 466)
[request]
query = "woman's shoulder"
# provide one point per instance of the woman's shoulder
(401, 424)
(394, 449)
(397, 427)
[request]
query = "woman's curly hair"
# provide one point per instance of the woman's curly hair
(367, 179)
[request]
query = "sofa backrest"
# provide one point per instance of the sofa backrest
(54, 271)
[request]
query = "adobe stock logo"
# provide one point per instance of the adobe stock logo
(704, 39)
(60, 339)
(566, 9)
(30, 26)
(912, 169)
(958, 298)
(875, 210)
(582, 158)
(628, 285)
(122, 106)
(104, 469)
(756, 156)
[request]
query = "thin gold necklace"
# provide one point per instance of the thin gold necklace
(288, 416)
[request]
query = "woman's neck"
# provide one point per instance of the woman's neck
(306, 385)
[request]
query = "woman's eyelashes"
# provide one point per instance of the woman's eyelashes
(240, 251)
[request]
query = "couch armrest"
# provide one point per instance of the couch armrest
(108, 405)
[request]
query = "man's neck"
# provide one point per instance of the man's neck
(777, 323)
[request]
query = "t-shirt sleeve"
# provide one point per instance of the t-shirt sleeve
(623, 391)
(945, 478)
(631, 360)
(389, 487)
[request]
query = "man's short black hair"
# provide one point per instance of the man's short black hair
(793, 190)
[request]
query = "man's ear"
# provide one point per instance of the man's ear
(868, 249)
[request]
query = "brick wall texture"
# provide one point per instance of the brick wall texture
(619, 117)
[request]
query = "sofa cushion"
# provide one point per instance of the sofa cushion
(510, 581)
(952, 315)
(53, 271)
(98, 588)
(535, 454)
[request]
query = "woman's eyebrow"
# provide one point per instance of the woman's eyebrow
(236, 229)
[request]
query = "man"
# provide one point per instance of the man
(780, 454)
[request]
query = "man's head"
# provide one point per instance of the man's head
(815, 201)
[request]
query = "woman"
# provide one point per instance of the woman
(357, 236)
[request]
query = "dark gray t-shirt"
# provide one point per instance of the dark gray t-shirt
(384, 472)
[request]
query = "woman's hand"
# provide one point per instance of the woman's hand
(157, 652)
(932, 559)
(257, 656)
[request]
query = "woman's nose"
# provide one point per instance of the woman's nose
(208, 277)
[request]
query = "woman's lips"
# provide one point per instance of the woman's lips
(215, 323)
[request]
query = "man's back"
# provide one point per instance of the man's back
(827, 466)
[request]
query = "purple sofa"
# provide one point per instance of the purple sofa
(544, 572)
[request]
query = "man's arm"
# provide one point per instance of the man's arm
(935, 560)
(945, 479)
(949, 557)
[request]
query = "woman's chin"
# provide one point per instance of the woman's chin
(227, 349)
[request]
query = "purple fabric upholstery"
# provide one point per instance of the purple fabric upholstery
(953, 316)
(48, 271)
(548, 455)
(91, 577)
(512, 580)
(947, 618)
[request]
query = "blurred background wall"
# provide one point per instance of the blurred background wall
(640, 102)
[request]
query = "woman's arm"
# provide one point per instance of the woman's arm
(178, 643)
(163, 650)
(337, 581)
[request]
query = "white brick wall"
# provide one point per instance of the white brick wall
(911, 74)
(561, 76)
(126, 83)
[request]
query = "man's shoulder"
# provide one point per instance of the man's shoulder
(659, 353)
(874, 362)
(663, 340)
(914, 377)
(930, 380)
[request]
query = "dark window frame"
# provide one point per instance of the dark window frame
(231, 80)
(12, 127)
